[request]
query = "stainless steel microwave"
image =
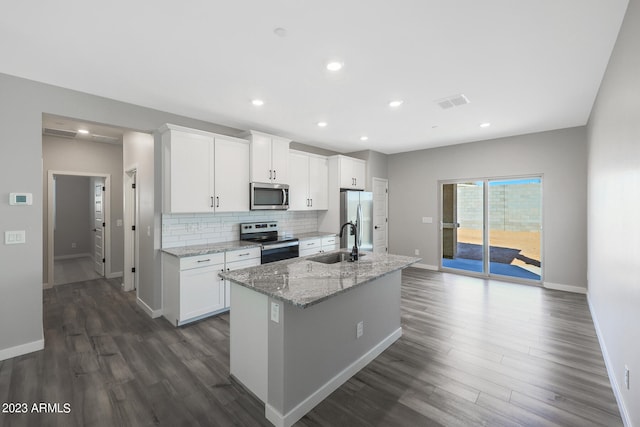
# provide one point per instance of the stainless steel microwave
(269, 196)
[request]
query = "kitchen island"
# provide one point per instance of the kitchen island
(300, 328)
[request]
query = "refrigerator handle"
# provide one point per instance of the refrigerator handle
(358, 225)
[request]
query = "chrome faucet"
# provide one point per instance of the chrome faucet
(354, 232)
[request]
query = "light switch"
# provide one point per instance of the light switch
(14, 237)
(427, 220)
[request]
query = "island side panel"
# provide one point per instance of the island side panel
(249, 339)
(320, 345)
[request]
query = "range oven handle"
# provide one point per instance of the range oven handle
(280, 245)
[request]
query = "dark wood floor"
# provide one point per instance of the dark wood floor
(474, 352)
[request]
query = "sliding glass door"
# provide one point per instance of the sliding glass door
(492, 227)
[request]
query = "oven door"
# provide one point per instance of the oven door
(279, 251)
(269, 196)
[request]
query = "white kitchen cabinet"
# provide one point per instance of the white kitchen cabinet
(269, 159)
(235, 260)
(192, 288)
(310, 246)
(330, 243)
(204, 172)
(309, 186)
(352, 173)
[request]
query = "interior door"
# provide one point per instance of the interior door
(380, 209)
(98, 227)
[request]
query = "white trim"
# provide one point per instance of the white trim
(425, 266)
(154, 314)
(333, 384)
(566, 288)
(72, 256)
(114, 275)
(624, 413)
(21, 349)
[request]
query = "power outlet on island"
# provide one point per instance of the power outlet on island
(275, 312)
(359, 329)
(626, 376)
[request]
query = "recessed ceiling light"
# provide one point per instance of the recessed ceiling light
(334, 66)
(364, 138)
(396, 103)
(322, 124)
(280, 32)
(83, 131)
(257, 102)
(485, 125)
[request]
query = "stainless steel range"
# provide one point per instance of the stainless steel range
(274, 247)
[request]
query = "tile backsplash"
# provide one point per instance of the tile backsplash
(196, 229)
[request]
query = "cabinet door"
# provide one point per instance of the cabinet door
(190, 188)
(318, 183)
(299, 185)
(346, 172)
(280, 160)
(310, 247)
(201, 292)
(359, 168)
(261, 170)
(231, 176)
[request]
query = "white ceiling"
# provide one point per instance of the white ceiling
(525, 66)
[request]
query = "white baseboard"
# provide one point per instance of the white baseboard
(114, 275)
(154, 314)
(21, 349)
(425, 266)
(333, 384)
(72, 256)
(624, 413)
(566, 288)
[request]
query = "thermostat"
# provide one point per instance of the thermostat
(20, 199)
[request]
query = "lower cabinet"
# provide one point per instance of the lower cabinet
(318, 245)
(192, 288)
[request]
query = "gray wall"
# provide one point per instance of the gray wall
(560, 156)
(72, 214)
(63, 154)
(614, 203)
(21, 107)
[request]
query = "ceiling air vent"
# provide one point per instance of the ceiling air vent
(452, 101)
(60, 132)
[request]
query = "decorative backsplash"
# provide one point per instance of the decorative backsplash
(196, 229)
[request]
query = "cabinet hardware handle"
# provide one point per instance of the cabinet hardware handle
(270, 174)
(248, 253)
(204, 260)
(274, 174)
(217, 201)
(211, 201)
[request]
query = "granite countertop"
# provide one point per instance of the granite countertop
(303, 282)
(187, 251)
(314, 235)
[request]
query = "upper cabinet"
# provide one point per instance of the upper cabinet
(352, 173)
(269, 160)
(204, 172)
(309, 183)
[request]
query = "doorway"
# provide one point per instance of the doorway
(77, 216)
(492, 227)
(131, 236)
(380, 215)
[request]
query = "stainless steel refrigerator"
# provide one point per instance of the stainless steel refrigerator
(357, 207)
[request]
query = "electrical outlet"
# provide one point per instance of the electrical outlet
(275, 312)
(417, 251)
(359, 329)
(626, 376)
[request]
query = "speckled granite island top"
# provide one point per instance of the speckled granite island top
(304, 282)
(187, 251)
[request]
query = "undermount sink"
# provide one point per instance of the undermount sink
(334, 258)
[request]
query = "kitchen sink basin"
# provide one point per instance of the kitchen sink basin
(334, 258)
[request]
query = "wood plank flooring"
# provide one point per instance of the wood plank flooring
(474, 352)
